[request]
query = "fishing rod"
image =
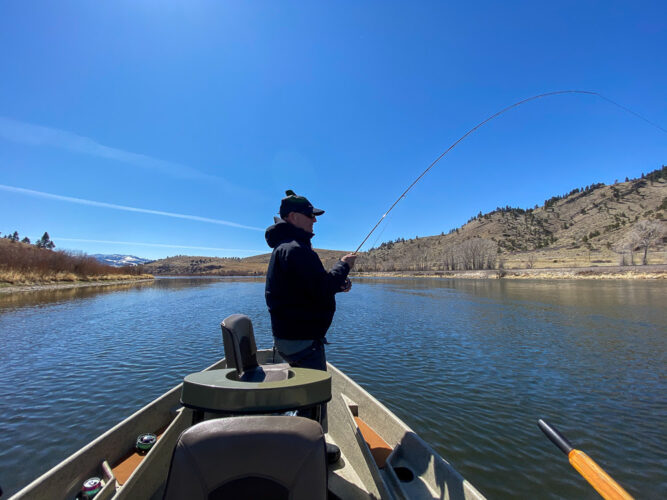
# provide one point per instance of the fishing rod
(586, 466)
(495, 115)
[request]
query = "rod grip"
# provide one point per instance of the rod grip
(556, 437)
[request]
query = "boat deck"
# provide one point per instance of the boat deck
(381, 457)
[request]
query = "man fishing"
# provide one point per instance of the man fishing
(299, 291)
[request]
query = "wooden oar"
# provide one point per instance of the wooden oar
(586, 466)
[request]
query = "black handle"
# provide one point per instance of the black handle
(556, 437)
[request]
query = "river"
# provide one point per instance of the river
(470, 365)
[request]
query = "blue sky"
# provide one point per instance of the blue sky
(162, 128)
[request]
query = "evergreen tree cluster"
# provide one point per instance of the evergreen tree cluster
(654, 176)
(500, 210)
(388, 244)
(584, 191)
(657, 175)
(43, 242)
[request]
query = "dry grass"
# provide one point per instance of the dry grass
(582, 257)
(23, 264)
(650, 272)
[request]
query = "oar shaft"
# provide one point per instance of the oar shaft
(597, 477)
(586, 466)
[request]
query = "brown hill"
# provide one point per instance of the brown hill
(594, 225)
(227, 266)
(591, 226)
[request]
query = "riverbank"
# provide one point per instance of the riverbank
(650, 272)
(64, 285)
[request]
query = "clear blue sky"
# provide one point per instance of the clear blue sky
(212, 109)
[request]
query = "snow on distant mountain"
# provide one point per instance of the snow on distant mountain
(118, 260)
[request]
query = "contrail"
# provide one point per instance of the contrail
(161, 245)
(36, 135)
(102, 204)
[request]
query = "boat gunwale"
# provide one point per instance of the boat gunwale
(91, 454)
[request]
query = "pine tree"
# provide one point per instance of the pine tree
(45, 242)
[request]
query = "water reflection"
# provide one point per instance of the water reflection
(470, 365)
(41, 297)
(48, 296)
(179, 283)
(645, 297)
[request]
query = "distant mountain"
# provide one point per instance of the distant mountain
(118, 260)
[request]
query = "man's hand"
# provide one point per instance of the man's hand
(349, 259)
(347, 286)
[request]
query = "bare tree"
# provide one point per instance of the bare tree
(478, 253)
(424, 261)
(490, 253)
(621, 248)
(645, 234)
(449, 258)
(465, 253)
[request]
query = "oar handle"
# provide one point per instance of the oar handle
(556, 437)
(603, 483)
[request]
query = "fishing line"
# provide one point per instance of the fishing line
(380, 235)
(547, 94)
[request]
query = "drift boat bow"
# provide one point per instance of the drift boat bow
(225, 433)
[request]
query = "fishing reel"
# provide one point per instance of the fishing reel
(145, 442)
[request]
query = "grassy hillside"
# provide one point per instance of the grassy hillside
(231, 266)
(590, 226)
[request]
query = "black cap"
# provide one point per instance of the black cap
(294, 203)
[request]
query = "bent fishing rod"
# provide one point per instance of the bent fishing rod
(495, 115)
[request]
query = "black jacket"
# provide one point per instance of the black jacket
(299, 291)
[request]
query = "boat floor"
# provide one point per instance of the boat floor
(343, 480)
(381, 457)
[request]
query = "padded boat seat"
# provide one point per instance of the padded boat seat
(238, 338)
(245, 387)
(268, 457)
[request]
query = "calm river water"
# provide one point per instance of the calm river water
(470, 365)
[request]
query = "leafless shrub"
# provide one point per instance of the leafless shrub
(20, 259)
(478, 253)
(645, 234)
